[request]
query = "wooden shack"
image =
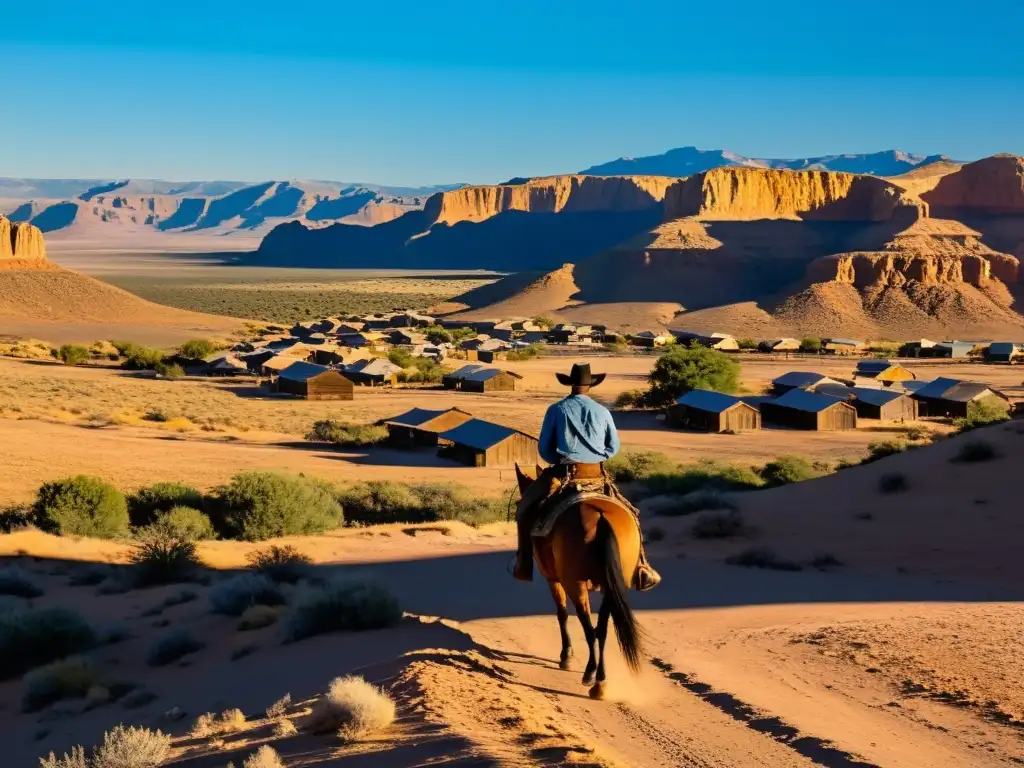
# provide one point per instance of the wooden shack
(843, 347)
(779, 345)
(723, 342)
(481, 378)
(800, 380)
(421, 427)
(374, 372)
(480, 443)
(226, 365)
(798, 409)
(713, 412)
(649, 339)
(951, 397)
(875, 403)
(254, 360)
(314, 382)
(882, 372)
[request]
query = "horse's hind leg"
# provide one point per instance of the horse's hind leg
(598, 691)
(561, 606)
(581, 599)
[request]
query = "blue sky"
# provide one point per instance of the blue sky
(435, 92)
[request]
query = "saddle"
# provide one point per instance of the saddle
(575, 492)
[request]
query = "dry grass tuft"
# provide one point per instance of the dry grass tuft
(279, 707)
(209, 724)
(354, 708)
(264, 757)
(284, 728)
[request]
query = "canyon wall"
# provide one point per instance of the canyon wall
(992, 186)
(757, 193)
(21, 245)
(553, 194)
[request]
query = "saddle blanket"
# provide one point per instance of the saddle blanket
(549, 516)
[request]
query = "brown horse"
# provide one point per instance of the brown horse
(594, 545)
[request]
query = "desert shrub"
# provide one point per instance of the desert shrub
(160, 557)
(197, 349)
(264, 757)
(422, 370)
(282, 564)
(545, 322)
(352, 708)
(682, 369)
(630, 466)
(184, 523)
(437, 335)
(718, 524)
(75, 759)
(526, 353)
(705, 475)
(631, 398)
(974, 451)
(882, 449)
(261, 505)
(209, 724)
(893, 482)
(132, 748)
(258, 617)
(789, 469)
(15, 517)
(401, 357)
(284, 728)
(747, 343)
(31, 638)
(377, 502)
(810, 344)
(171, 647)
(918, 433)
(341, 605)
(69, 678)
(169, 370)
(146, 503)
(81, 506)
(988, 410)
(140, 358)
(233, 596)
(18, 582)
(762, 558)
(279, 707)
(349, 435)
(73, 354)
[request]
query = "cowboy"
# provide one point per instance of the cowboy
(577, 437)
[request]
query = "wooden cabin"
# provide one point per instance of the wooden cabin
(799, 409)
(226, 365)
(882, 372)
(564, 333)
(254, 361)
(479, 443)
(951, 397)
(421, 427)
(713, 412)
(843, 347)
(800, 380)
(314, 382)
(723, 342)
(875, 403)
(779, 345)
(649, 339)
(374, 372)
(481, 378)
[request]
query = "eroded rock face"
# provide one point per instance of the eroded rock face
(994, 185)
(759, 193)
(553, 194)
(898, 268)
(21, 245)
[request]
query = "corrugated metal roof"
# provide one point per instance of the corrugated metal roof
(478, 373)
(707, 400)
(1002, 348)
(300, 371)
(478, 434)
(800, 379)
(376, 366)
(874, 367)
(846, 342)
(876, 396)
(953, 389)
(414, 418)
(801, 400)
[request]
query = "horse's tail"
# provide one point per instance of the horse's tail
(627, 630)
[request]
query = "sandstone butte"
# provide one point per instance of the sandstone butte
(21, 246)
(552, 194)
(993, 186)
(759, 193)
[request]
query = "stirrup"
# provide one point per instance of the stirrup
(646, 579)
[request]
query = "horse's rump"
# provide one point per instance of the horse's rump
(555, 508)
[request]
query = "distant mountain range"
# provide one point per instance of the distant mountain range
(686, 161)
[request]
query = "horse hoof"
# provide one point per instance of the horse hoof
(588, 678)
(565, 664)
(598, 692)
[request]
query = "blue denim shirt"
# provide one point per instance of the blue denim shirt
(578, 430)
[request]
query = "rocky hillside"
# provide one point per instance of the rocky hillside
(21, 246)
(762, 251)
(686, 161)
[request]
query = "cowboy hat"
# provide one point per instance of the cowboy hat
(580, 376)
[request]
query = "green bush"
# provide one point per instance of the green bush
(703, 475)
(545, 322)
(437, 335)
(244, 590)
(161, 557)
(526, 353)
(81, 506)
(988, 410)
(747, 343)
(377, 502)
(73, 354)
(184, 523)
(422, 370)
(682, 369)
(631, 398)
(401, 357)
(69, 678)
(884, 448)
(789, 469)
(18, 582)
(281, 564)
(172, 647)
(140, 358)
(32, 638)
(145, 505)
(342, 605)
(348, 435)
(169, 370)
(630, 466)
(810, 344)
(197, 349)
(262, 505)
